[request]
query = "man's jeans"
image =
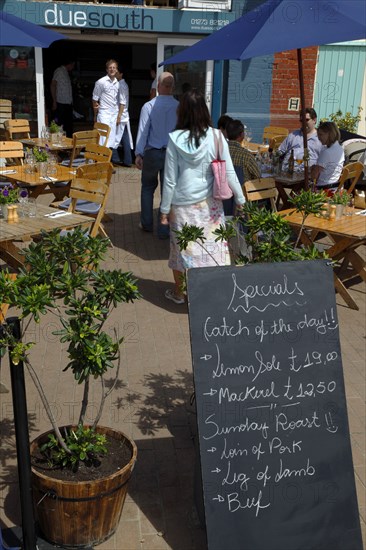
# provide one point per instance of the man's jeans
(152, 171)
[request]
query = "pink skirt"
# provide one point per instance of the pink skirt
(209, 215)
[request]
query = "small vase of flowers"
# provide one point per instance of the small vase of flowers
(339, 201)
(41, 158)
(8, 197)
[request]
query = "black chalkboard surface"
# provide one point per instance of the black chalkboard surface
(272, 420)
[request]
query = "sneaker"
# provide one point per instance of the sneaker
(170, 295)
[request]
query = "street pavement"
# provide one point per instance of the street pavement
(151, 403)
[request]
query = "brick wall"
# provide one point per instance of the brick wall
(285, 84)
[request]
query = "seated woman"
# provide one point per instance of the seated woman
(327, 170)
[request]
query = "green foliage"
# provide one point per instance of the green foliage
(63, 275)
(346, 121)
(340, 197)
(8, 194)
(269, 236)
(54, 127)
(40, 155)
(85, 444)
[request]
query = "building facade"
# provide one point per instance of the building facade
(259, 91)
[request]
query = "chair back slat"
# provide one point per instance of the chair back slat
(81, 140)
(16, 129)
(104, 131)
(12, 151)
(260, 189)
(5, 113)
(351, 172)
(271, 132)
(97, 153)
(92, 184)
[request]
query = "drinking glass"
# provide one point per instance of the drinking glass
(31, 207)
(350, 208)
(299, 160)
(52, 165)
(23, 200)
(248, 134)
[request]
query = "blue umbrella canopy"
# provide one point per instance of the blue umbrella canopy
(17, 32)
(280, 25)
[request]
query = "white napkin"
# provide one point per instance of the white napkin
(7, 171)
(57, 214)
(48, 178)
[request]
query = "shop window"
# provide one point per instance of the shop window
(17, 81)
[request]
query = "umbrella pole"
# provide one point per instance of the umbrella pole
(303, 118)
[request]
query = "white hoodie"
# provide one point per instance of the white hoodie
(188, 176)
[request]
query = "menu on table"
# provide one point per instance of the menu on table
(272, 420)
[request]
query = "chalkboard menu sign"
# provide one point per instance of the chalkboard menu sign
(272, 420)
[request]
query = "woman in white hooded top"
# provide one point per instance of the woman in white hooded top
(188, 188)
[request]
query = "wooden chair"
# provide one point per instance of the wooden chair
(12, 152)
(16, 129)
(261, 189)
(351, 172)
(103, 129)
(89, 193)
(5, 114)
(97, 153)
(80, 141)
(276, 141)
(271, 132)
(4, 307)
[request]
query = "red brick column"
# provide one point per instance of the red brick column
(285, 84)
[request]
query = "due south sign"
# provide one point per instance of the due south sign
(118, 19)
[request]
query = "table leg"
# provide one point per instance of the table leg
(10, 254)
(341, 289)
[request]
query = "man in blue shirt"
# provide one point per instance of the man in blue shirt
(158, 118)
(295, 142)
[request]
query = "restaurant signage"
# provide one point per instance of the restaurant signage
(271, 409)
(120, 18)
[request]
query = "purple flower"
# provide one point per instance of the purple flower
(5, 192)
(23, 193)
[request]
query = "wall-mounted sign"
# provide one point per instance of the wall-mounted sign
(293, 104)
(209, 5)
(106, 17)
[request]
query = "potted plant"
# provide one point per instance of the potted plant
(8, 198)
(339, 201)
(63, 275)
(41, 160)
(54, 130)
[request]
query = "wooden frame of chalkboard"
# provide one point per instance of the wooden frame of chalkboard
(272, 420)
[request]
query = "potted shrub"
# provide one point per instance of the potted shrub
(55, 131)
(63, 275)
(41, 160)
(339, 200)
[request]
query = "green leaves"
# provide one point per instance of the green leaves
(85, 445)
(188, 234)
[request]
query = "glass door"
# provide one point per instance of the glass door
(193, 74)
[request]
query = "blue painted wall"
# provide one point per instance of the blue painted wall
(248, 85)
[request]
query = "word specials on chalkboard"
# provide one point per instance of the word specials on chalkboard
(272, 420)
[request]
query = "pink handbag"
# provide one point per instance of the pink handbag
(221, 189)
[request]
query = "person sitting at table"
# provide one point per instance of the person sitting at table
(326, 172)
(244, 162)
(295, 142)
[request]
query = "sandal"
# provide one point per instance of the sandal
(170, 295)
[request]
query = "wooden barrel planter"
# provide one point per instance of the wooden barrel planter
(85, 513)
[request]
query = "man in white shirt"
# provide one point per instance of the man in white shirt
(123, 131)
(105, 101)
(61, 92)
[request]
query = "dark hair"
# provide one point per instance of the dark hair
(233, 129)
(193, 115)
(223, 121)
(332, 130)
(312, 112)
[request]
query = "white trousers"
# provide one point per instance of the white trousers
(108, 118)
(119, 133)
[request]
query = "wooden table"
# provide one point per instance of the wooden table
(346, 234)
(284, 181)
(12, 234)
(65, 145)
(40, 185)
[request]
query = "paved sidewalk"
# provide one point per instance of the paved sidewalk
(151, 403)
